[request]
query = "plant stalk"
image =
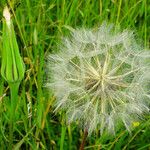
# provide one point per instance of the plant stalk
(14, 97)
(84, 139)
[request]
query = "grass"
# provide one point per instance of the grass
(39, 26)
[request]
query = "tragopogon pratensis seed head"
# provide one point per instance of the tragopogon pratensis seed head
(100, 78)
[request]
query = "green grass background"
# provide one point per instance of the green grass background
(39, 26)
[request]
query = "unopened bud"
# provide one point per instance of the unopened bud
(12, 68)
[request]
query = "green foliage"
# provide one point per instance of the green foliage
(39, 26)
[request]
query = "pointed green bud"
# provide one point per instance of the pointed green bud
(13, 67)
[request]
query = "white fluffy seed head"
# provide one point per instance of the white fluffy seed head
(100, 79)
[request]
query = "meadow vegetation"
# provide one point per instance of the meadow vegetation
(39, 26)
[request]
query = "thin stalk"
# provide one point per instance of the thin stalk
(84, 139)
(14, 97)
(63, 132)
(145, 25)
(70, 137)
(100, 6)
(119, 10)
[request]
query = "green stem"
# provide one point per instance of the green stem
(63, 132)
(119, 10)
(70, 137)
(14, 97)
